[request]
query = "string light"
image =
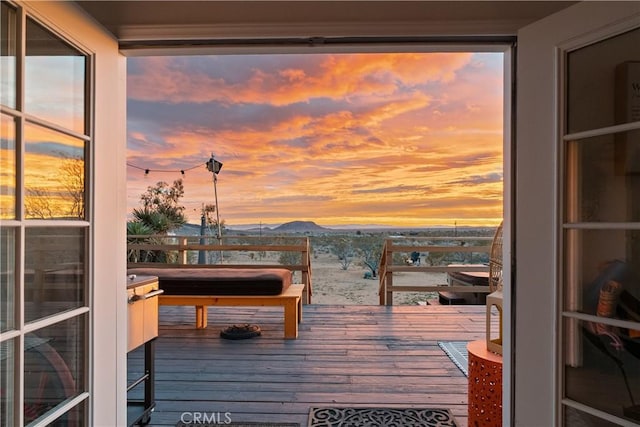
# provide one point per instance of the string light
(182, 171)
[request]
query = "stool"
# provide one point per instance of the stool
(485, 386)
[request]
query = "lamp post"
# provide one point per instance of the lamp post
(214, 167)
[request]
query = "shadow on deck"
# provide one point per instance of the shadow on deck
(344, 356)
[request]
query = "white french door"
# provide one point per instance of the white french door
(578, 218)
(45, 227)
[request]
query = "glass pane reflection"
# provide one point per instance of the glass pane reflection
(604, 181)
(54, 270)
(7, 278)
(607, 374)
(7, 55)
(7, 363)
(53, 175)
(54, 369)
(55, 79)
(7, 167)
(605, 255)
(598, 83)
(576, 418)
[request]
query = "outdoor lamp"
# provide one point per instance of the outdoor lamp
(213, 165)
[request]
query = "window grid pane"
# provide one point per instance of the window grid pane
(7, 382)
(60, 96)
(54, 172)
(55, 279)
(8, 167)
(8, 49)
(8, 278)
(54, 368)
(597, 79)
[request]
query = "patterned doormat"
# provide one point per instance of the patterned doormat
(457, 352)
(381, 417)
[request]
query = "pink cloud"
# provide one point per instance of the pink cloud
(337, 77)
(396, 152)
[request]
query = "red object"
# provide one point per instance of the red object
(485, 386)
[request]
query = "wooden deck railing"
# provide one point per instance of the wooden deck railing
(404, 246)
(292, 253)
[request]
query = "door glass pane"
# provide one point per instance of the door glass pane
(7, 167)
(7, 278)
(54, 366)
(54, 175)
(604, 178)
(600, 257)
(7, 55)
(54, 270)
(7, 369)
(576, 418)
(604, 83)
(607, 377)
(55, 79)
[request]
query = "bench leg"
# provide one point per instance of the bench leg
(291, 314)
(201, 317)
(299, 310)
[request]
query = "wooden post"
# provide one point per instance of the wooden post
(182, 254)
(382, 268)
(389, 274)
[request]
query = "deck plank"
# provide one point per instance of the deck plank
(344, 355)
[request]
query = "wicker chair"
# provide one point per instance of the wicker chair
(495, 261)
(495, 286)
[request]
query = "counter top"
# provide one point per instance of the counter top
(133, 281)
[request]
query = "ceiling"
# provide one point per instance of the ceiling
(142, 21)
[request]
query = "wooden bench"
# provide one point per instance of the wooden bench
(203, 287)
(290, 299)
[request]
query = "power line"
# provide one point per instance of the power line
(182, 171)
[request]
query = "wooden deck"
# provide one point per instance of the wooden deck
(344, 356)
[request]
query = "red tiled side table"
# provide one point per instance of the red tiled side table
(485, 386)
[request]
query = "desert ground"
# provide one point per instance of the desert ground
(331, 282)
(333, 285)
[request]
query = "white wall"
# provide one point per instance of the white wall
(108, 367)
(537, 206)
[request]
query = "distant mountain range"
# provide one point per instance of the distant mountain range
(287, 227)
(300, 227)
(310, 227)
(290, 227)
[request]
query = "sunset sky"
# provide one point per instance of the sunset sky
(405, 139)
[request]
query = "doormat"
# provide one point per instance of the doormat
(457, 352)
(381, 417)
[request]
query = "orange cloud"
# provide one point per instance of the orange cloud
(336, 77)
(412, 139)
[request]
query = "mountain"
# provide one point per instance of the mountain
(299, 227)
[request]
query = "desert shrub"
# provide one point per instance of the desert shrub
(343, 248)
(369, 248)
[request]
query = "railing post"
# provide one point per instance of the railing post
(182, 254)
(382, 286)
(389, 273)
(382, 293)
(306, 273)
